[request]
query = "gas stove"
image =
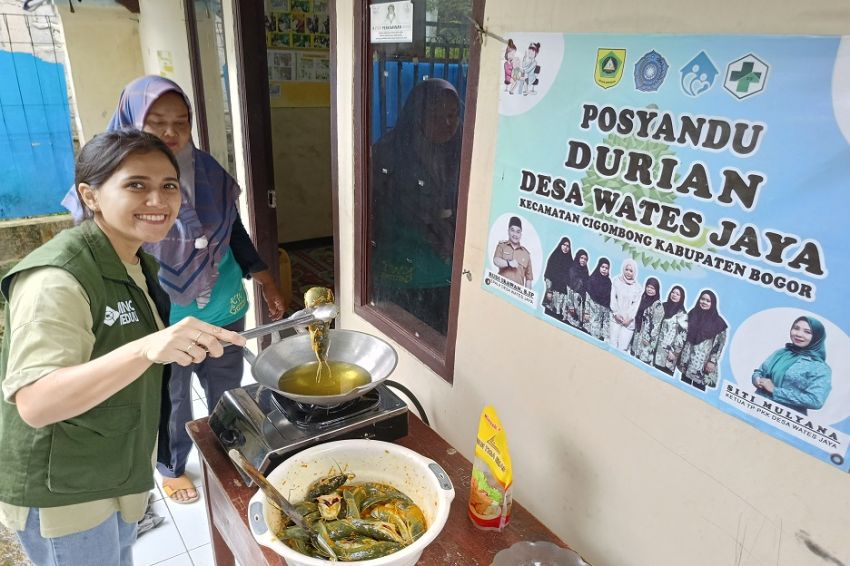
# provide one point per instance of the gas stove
(267, 427)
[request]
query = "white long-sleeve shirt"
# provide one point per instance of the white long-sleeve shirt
(625, 299)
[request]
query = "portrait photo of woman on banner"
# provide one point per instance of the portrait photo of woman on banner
(597, 303)
(704, 343)
(797, 376)
(557, 271)
(576, 286)
(648, 322)
(674, 330)
(625, 299)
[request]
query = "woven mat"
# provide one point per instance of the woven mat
(311, 267)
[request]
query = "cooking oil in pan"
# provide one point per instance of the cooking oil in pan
(332, 378)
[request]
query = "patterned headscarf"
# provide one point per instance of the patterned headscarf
(191, 252)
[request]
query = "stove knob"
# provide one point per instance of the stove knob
(370, 435)
(231, 438)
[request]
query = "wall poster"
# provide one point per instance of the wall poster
(682, 201)
(298, 56)
(391, 22)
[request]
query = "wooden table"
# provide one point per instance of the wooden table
(458, 544)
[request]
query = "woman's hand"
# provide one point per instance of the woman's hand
(271, 294)
(710, 367)
(671, 357)
(187, 342)
(766, 384)
(71, 391)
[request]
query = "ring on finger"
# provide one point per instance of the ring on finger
(200, 333)
(191, 345)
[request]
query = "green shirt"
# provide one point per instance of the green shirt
(228, 299)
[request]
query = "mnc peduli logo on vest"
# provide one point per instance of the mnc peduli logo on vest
(126, 314)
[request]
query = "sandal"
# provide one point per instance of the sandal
(173, 486)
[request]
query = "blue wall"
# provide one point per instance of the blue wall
(36, 151)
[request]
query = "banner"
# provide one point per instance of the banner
(682, 202)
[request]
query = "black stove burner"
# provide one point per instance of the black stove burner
(304, 415)
(267, 428)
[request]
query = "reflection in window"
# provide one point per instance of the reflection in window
(416, 118)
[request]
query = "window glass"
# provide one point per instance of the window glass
(416, 112)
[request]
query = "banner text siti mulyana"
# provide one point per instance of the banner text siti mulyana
(631, 166)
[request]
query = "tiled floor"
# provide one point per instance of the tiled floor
(183, 538)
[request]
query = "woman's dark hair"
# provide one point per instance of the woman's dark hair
(105, 153)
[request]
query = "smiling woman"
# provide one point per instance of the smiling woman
(80, 422)
(133, 203)
(797, 376)
(204, 257)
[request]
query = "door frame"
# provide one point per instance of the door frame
(252, 80)
(255, 109)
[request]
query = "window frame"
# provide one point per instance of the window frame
(411, 334)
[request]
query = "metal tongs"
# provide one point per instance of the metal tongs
(304, 317)
(323, 313)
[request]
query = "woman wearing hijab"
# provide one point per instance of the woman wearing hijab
(556, 275)
(704, 343)
(648, 322)
(625, 299)
(415, 169)
(674, 330)
(576, 288)
(203, 258)
(597, 301)
(797, 376)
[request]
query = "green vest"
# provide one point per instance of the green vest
(106, 451)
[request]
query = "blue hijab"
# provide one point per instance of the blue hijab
(191, 252)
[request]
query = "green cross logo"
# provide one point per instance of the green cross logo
(746, 76)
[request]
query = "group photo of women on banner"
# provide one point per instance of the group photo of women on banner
(680, 202)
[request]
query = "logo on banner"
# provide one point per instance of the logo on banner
(609, 67)
(746, 76)
(698, 75)
(650, 72)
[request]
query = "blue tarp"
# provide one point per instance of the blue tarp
(36, 150)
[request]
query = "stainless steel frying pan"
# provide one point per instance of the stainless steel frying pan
(367, 351)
